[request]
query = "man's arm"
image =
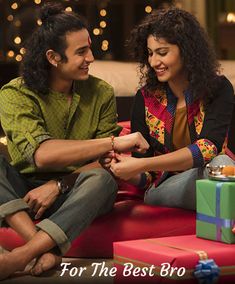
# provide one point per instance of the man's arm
(61, 153)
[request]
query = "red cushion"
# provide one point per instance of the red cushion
(130, 219)
(126, 127)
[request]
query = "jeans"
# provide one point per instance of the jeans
(92, 195)
(180, 190)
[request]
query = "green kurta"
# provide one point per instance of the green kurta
(28, 118)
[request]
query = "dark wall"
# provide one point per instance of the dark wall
(8, 71)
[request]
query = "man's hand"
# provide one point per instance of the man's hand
(133, 142)
(42, 197)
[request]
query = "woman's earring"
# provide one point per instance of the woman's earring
(55, 64)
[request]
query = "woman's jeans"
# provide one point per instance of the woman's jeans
(180, 190)
(92, 195)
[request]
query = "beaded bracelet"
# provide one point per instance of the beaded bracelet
(112, 142)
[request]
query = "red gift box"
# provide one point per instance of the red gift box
(174, 260)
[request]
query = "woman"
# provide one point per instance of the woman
(183, 109)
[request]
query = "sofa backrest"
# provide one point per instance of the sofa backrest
(124, 77)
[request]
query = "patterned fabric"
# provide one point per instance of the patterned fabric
(154, 115)
(160, 119)
(29, 119)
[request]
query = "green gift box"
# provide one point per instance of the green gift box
(215, 210)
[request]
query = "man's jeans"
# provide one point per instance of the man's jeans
(92, 195)
(180, 190)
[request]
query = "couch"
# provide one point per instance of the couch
(130, 217)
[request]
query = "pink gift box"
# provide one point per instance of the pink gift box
(173, 260)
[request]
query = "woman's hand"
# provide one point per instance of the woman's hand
(106, 160)
(125, 167)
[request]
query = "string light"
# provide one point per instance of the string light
(10, 18)
(103, 24)
(105, 45)
(96, 31)
(17, 23)
(39, 22)
(103, 12)
(148, 9)
(105, 42)
(14, 6)
(17, 40)
(231, 17)
(10, 53)
(18, 57)
(3, 140)
(22, 50)
(18, 51)
(68, 9)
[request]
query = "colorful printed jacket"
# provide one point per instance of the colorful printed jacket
(153, 116)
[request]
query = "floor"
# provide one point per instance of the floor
(73, 270)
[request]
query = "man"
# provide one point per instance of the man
(56, 118)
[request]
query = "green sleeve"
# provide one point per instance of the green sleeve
(22, 122)
(108, 116)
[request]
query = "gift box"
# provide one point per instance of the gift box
(215, 210)
(179, 259)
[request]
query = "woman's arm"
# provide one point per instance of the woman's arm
(128, 168)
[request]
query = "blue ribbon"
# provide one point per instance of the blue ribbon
(206, 271)
(217, 209)
(226, 223)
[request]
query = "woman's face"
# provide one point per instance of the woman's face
(165, 59)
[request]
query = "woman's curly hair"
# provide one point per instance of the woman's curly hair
(178, 27)
(35, 68)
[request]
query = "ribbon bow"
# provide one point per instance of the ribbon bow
(206, 271)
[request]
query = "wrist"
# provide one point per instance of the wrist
(112, 137)
(62, 186)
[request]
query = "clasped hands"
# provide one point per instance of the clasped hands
(121, 165)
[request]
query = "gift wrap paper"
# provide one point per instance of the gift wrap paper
(215, 210)
(202, 261)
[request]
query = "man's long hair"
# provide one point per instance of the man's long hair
(56, 23)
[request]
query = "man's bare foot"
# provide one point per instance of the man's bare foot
(45, 262)
(11, 262)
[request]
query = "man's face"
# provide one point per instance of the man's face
(79, 56)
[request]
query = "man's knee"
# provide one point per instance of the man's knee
(107, 179)
(102, 179)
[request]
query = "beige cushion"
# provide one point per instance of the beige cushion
(123, 76)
